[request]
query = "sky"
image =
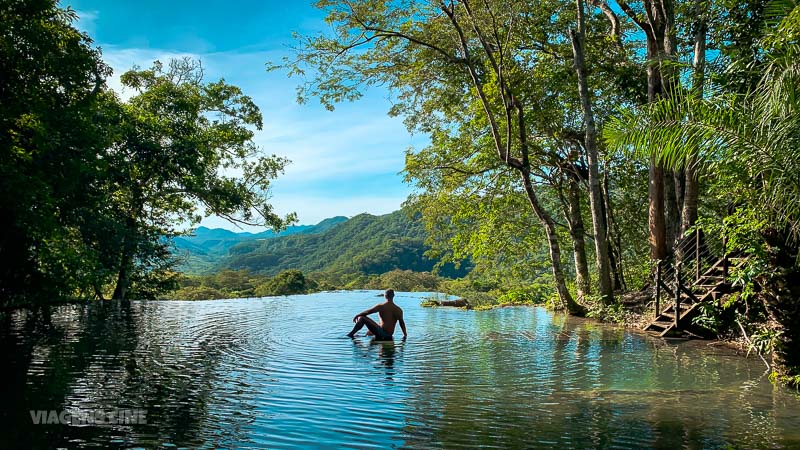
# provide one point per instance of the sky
(344, 162)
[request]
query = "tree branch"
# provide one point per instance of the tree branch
(612, 17)
(635, 17)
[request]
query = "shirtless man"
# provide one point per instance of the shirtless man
(390, 314)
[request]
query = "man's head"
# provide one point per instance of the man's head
(389, 294)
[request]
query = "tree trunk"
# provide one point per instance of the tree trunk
(503, 149)
(679, 177)
(124, 275)
(566, 300)
(659, 35)
(691, 191)
(595, 195)
(615, 244)
(689, 213)
(126, 261)
(576, 231)
(672, 212)
(655, 194)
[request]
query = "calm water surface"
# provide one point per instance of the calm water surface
(279, 373)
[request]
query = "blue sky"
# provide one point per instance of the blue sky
(344, 162)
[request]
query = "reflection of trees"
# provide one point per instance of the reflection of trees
(109, 356)
(510, 380)
(51, 353)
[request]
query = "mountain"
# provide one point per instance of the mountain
(364, 244)
(203, 250)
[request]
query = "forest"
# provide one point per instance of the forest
(576, 148)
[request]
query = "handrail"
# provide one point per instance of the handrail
(692, 258)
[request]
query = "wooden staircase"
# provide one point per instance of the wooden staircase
(681, 306)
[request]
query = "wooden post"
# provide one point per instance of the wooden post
(658, 288)
(697, 254)
(677, 293)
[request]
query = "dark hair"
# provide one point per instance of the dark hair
(389, 294)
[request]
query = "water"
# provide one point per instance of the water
(279, 373)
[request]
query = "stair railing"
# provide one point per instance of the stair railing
(693, 255)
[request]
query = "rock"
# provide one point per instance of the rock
(459, 303)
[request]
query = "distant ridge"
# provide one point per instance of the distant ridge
(364, 244)
(203, 250)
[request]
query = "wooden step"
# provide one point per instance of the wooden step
(682, 306)
(663, 324)
(713, 278)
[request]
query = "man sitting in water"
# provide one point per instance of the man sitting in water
(389, 313)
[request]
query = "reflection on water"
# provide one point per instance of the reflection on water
(281, 373)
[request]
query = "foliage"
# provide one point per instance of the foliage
(179, 138)
(613, 313)
(93, 185)
(288, 282)
(51, 93)
(198, 293)
(748, 142)
(407, 280)
(365, 244)
(245, 284)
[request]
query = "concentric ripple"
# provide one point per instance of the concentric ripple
(280, 373)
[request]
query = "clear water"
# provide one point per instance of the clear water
(279, 373)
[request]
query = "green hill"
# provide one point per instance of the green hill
(364, 244)
(203, 250)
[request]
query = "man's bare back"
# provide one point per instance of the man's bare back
(390, 315)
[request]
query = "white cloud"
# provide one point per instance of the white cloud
(87, 21)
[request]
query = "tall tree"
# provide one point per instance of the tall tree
(578, 39)
(449, 47)
(656, 20)
(51, 84)
(180, 140)
(490, 75)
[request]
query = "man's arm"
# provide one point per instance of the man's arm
(403, 327)
(367, 312)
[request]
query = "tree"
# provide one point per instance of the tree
(179, 140)
(50, 91)
(578, 39)
(657, 21)
(468, 72)
(288, 282)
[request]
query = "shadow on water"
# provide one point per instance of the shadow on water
(255, 372)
